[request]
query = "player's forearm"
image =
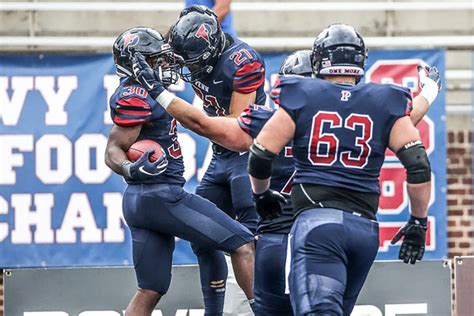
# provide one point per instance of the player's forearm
(259, 185)
(114, 157)
(420, 107)
(419, 195)
(189, 116)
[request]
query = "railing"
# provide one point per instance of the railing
(240, 6)
(262, 43)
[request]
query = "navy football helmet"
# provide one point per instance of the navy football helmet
(197, 39)
(339, 50)
(152, 46)
(298, 63)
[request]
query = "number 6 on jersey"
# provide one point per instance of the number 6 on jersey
(329, 153)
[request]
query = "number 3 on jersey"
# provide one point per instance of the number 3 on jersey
(324, 146)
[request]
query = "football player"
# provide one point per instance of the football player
(237, 135)
(340, 131)
(155, 206)
(227, 74)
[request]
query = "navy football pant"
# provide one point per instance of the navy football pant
(269, 286)
(225, 183)
(156, 213)
(332, 252)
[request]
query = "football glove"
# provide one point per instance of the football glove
(149, 78)
(268, 204)
(143, 168)
(430, 82)
(413, 245)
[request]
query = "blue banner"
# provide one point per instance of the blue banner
(60, 205)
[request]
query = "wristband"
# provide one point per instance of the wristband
(422, 221)
(430, 91)
(165, 98)
(126, 169)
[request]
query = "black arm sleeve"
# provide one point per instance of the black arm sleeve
(260, 162)
(415, 160)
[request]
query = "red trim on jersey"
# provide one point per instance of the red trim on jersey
(134, 113)
(134, 102)
(248, 78)
(128, 122)
(252, 87)
(248, 68)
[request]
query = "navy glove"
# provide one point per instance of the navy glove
(268, 204)
(143, 168)
(413, 245)
(149, 78)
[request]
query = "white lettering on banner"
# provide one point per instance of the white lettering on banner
(83, 160)
(10, 109)
(114, 231)
(8, 159)
(111, 83)
(188, 147)
(359, 310)
(405, 309)
(366, 310)
(48, 313)
(390, 310)
(179, 312)
(99, 313)
(56, 101)
(3, 226)
(79, 216)
(25, 218)
(43, 153)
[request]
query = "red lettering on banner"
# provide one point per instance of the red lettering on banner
(426, 128)
(393, 196)
(403, 72)
(387, 231)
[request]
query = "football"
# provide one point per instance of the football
(137, 149)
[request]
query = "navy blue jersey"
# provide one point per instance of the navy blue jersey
(130, 105)
(252, 120)
(239, 69)
(342, 131)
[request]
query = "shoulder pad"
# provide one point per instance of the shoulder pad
(130, 106)
(289, 92)
(253, 118)
(248, 69)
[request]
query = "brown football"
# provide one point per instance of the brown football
(137, 149)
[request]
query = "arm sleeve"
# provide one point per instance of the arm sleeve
(131, 111)
(249, 77)
(253, 118)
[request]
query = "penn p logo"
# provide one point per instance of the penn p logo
(203, 33)
(345, 95)
(129, 41)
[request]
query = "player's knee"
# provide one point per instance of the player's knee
(246, 250)
(326, 295)
(319, 295)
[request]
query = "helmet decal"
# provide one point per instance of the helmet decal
(203, 33)
(130, 40)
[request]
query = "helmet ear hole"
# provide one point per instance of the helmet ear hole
(149, 42)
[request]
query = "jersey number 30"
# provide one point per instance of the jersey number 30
(324, 146)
